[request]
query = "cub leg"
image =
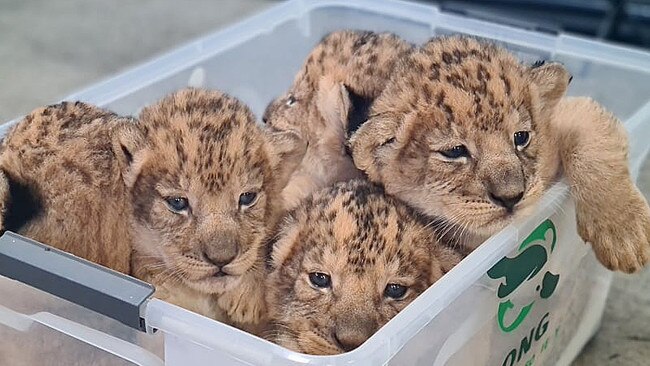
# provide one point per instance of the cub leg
(611, 212)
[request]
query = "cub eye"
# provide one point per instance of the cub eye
(291, 100)
(177, 204)
(522, 138)
(395, 291)
(389, 141)
(455, 152)
(320, 280)
(247, 199)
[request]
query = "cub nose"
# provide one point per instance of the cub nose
(221, 252)
(349, 341)
(351, 334)
(508, 202)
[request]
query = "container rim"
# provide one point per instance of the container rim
(193, 52)
(404, 325)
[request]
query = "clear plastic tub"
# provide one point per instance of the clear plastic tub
(461, 320)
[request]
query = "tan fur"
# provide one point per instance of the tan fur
(459, 91)
(612, 214)
(102, 184)
(206, 146)
(364, 240)
(344, 62)
(63, 156)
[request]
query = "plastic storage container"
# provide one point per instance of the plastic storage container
(469, 317)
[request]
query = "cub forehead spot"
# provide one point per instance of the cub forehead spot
(364, 225)
(332, 258)
(345, 225)
(483, 107)
(205, 134)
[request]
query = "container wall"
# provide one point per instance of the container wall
(37, 328)
(533, 317)
(463, 319)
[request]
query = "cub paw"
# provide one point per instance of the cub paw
(619, 232)
(245, 304)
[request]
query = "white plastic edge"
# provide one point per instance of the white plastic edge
(113, 345)
(198, 329)
(205, 47)
(414, 317)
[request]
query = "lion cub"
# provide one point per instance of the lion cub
(60, 182)
(345, 262)
(190, 188)
(329, 98)
(465, 131)
(209, 179)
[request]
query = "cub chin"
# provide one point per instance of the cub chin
(465, 131)
(345, 262)
(205, 182)
(329, 97)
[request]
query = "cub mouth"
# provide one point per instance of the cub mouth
(219, 274)
(215, 283)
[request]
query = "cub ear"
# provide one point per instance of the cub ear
(369, 144)
(287, 150)
(333, 102)
(340, 106)
(551, 81)
(128, 147)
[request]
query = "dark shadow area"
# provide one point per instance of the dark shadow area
(620, 21)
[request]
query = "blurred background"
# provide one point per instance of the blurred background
(621, 21)
(49, 49)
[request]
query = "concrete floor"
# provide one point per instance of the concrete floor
(49, 49)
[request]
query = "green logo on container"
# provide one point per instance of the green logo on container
(527, 265)
(530, 259)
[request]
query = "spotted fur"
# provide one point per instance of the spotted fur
(364, 240)
(206, 146)
(329, 97)
(459, 91)
(101, 185)
(56, 165)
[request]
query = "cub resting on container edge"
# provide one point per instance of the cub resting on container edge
(442, 138)
(465, 132)
(190, 187)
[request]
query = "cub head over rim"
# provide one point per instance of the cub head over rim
(462, 132)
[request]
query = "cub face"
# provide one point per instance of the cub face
(204, 181)
(462, 132)
(346, 261)
(329, 97)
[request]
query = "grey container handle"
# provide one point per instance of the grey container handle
(74, 279)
